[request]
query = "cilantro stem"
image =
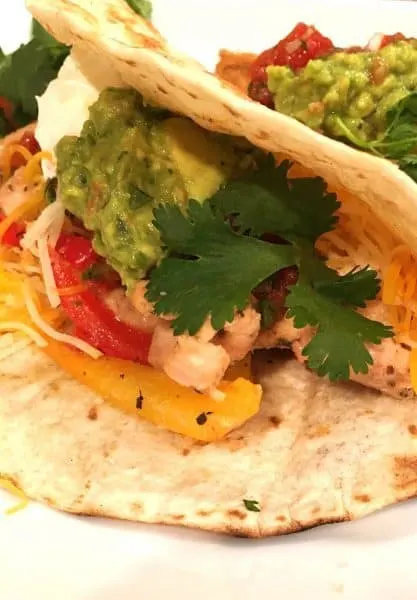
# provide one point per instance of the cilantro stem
(356, 141)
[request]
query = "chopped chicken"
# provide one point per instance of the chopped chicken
(15, 191)
(187, 360)
(282, 333)
(239, 336)
(129, 313)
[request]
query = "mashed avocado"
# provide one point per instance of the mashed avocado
(359, 88)
(128, 157)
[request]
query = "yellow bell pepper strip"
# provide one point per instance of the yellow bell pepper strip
(145, 392)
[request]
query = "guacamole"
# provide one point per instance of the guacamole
(129, 157)
(358, 88)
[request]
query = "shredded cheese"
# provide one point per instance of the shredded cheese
(7, 485)
(19, 212)
(29, 331)
(47, 273)
(22, 268)
(47, 225)
(50, 331)
(33, 166)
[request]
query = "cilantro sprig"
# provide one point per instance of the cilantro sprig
(215, 260)
(25, 74)
(399, 139)
(198, 278)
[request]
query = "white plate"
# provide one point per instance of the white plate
(45, 555)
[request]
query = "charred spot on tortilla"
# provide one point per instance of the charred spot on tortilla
(202, 417)
(413, 430)
(139, 401)
(252, 505)
(122, 375)
(92, 413)
(178, 517)
(238, 514)
(407, 393)
(362, 498)
(276, 421)
(390, 370)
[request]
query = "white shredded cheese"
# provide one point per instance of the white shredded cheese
(50, 331)
(48, 274)
(47, 225)
(17, 326)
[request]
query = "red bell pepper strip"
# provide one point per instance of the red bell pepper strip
(94, 322)
(12, 236)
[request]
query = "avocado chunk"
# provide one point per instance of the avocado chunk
(202, 160)
(128, 158)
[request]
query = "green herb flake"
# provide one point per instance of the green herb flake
(51, 190)
(141, 7)
(252, 505)
(91, 273)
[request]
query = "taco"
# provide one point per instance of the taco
(167, 227)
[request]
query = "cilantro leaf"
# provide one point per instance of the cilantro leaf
(25, 73)
(141, 7)
(211, 270)
(408, 164)
(354, 288)
(266, 200)
(339, 343)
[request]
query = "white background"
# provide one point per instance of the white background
(45, 555)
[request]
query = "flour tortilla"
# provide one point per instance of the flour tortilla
(315, 453)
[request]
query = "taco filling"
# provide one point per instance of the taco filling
(166, 254)
(363, 96)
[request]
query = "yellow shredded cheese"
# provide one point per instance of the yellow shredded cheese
(33, 166)
(29, 331)
(33, 203)
(7, 485)
(41, 324)
(361, 239)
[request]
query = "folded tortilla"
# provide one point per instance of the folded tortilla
(315, 453)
